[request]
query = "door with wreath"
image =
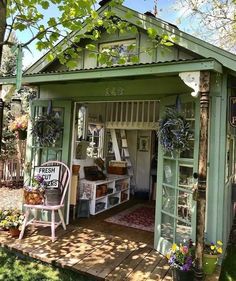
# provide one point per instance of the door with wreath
(50, 134)
(177, 161)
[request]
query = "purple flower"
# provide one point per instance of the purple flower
(186, 267)
(172, 260)
(189, 260)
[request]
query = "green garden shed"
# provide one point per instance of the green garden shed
(113, 113)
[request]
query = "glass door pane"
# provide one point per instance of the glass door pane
(176, 210)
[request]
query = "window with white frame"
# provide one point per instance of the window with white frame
(119, 52)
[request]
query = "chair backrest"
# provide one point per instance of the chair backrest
(64, 177)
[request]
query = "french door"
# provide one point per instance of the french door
(59, 150)
(175, 207)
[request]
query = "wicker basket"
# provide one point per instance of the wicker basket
(33, 197)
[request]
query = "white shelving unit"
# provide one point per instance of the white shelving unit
(116, 190)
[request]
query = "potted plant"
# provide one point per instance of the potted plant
(19, 126)
(210, 256)
(34, 194)
(181, 260)
(13, 221)
(3, 214)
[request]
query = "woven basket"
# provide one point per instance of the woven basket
(33, 197)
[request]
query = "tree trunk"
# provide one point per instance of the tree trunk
(3, 24)
(202, 171)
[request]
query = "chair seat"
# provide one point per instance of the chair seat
(44, 207)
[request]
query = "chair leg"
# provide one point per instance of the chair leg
(61, 218)
(53, 225)
(24, 223)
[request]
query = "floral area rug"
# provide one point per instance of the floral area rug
(139, 216)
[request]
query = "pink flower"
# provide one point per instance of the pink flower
(185, 249)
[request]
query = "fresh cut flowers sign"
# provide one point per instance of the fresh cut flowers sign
(50, 175)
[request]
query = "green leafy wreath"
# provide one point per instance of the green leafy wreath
(174, 131)
(46, 129)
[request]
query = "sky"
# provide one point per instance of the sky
(165, 12)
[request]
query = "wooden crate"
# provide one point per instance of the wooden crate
(117, 170)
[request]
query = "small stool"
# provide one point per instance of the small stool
(83, 208)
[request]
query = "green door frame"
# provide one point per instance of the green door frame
(160, 243)
(66, 139)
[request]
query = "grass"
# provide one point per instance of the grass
(19, 268)
(228, 270)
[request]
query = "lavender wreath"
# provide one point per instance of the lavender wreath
(46, 129)
(174, 131)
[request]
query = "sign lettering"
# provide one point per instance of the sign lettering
(50, 174)
(113, 92)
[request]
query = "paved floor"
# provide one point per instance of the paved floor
(11, 198)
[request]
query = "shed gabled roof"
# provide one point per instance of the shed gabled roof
(144, 22)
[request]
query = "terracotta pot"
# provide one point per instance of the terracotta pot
(14, 232)
(209, 263)
(75, 169)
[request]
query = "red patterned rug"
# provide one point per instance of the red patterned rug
(139, 216)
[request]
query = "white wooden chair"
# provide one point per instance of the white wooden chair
(64, 180)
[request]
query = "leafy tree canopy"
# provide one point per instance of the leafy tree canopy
(74, 21)
(213, 20)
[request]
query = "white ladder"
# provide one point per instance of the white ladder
(115, 145)
(123, 153)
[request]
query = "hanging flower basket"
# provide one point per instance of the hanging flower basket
(46, 129)
(174, 132)
(19, 126)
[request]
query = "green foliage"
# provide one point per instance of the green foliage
(13, 219)
(152, 33)
(14, 268)
(73, 23)
(228, 270)
(8, 148)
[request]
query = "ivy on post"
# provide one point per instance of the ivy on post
(204, 89)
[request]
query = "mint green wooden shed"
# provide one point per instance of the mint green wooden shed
(137, 95)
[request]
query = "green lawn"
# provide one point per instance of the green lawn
(228, 270)
(15, 268)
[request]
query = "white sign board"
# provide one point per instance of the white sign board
(49, 173)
